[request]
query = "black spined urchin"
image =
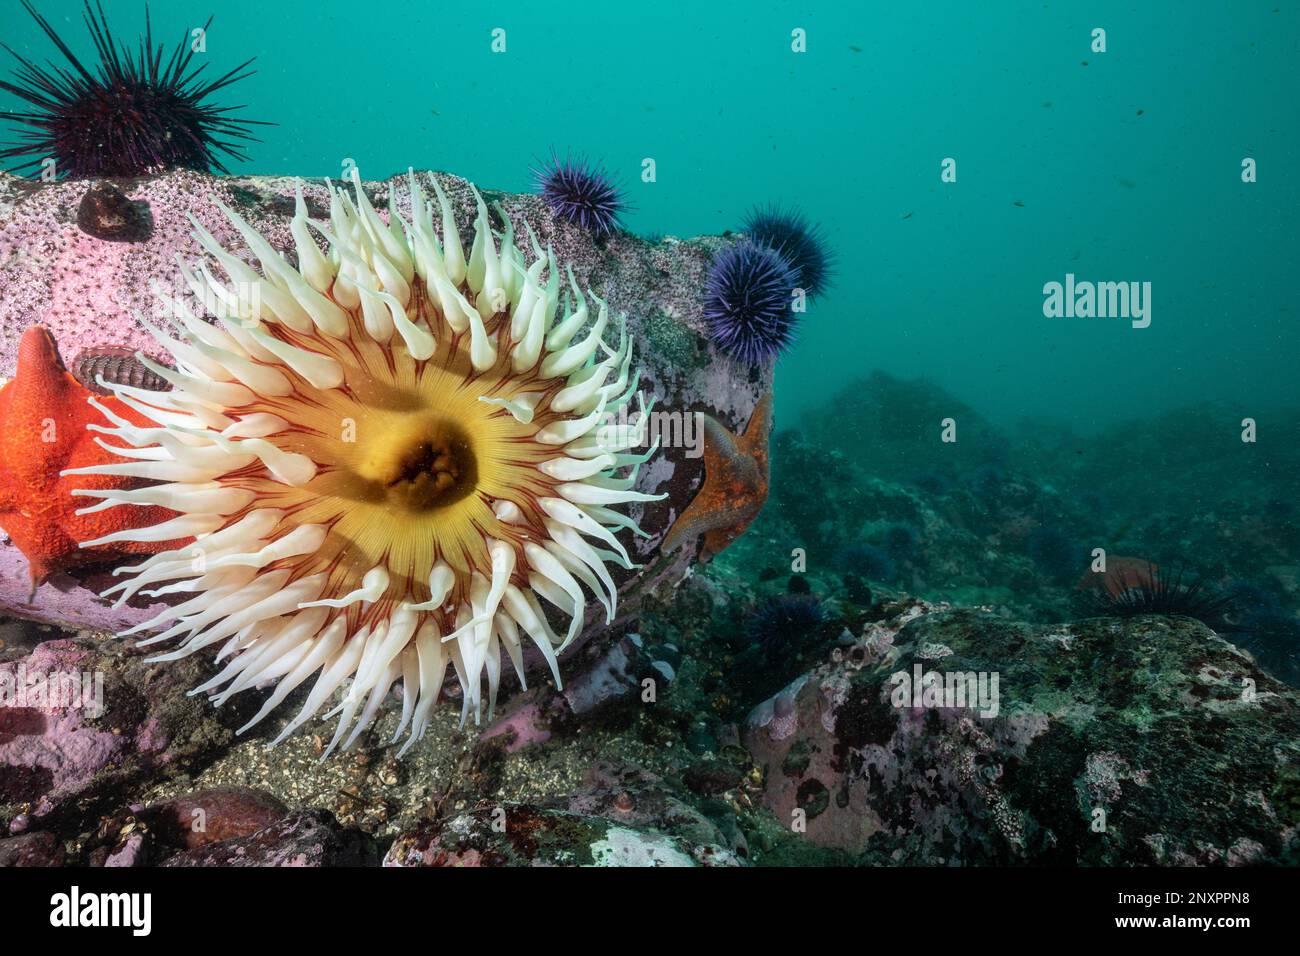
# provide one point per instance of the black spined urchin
(788, 230)
(748, 306)
(1158, 594)
(581, 193)
(135, 113)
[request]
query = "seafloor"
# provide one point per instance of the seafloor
(743, 717)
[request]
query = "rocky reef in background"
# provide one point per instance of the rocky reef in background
(745, 716)
(1010, 519)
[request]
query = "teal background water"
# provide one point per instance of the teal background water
(1127, 162)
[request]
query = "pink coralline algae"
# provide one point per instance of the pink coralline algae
(125, 720)
(54, 751)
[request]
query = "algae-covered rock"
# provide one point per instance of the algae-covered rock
(84, 720)
(535, 836)
(299, 840)
(31, 849)
(1147, 741)
(626, 817)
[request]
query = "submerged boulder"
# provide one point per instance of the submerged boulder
(623, 817)
(1149, 741)
(299, 840)
(83, 721)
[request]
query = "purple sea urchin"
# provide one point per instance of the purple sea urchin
(789, 232)
(582, 194)
(748, 306)
(785, 621)
(388, 455)
(135, 113)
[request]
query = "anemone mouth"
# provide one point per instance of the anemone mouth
(438, 470)
(387, 457)
(409, 462)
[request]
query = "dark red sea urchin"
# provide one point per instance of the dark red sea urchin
(134, 114)
(1161, 594)
(581, 193)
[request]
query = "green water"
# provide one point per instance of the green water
(1115, 166)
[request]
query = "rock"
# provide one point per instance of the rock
(1132, 723)
(526, 723)
(307, 839)
(70, 599)
(700, 739)
(885, 427)
(32, 849)
(600, 680)
(145, 836)
(122, 838)
(133, 852)
(613, 678)
(211, 816)
(106, 213)
(538, 836)
(633, 797)
(713, 776)
(624, 818)
(126, 722)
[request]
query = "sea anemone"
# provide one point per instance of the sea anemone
(134, 114)
(789, 232)
(386, 455)
(1157, 593)
(582, 194)
(748, 307)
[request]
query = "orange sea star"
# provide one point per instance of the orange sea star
(43, 417)
(735, 484)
